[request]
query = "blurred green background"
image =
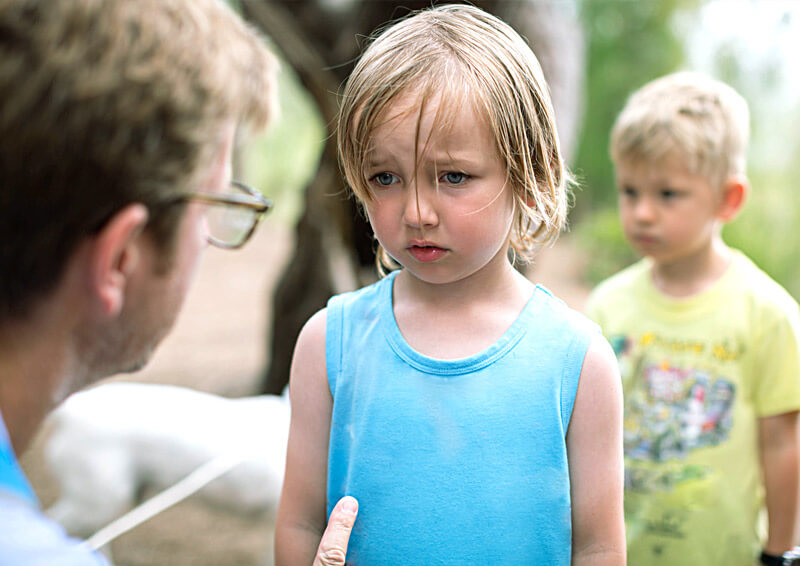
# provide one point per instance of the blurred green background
(751, 44)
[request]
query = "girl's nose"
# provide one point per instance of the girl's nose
(420, 207)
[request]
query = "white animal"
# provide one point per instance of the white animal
(110, 442)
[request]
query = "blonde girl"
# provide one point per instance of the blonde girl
(474, 416)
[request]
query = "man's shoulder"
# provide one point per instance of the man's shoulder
(28, 537)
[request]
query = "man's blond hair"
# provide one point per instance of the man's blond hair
(703, 119)
(462, 56)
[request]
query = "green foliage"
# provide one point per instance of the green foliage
(601, 234)
(766, 231)
(629, 43)
(283, 160)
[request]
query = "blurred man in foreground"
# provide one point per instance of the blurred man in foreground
(117, 120)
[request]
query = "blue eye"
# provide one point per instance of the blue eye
(384, 179)
(454, 178)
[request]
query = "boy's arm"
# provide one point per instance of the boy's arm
(594, 449)
(301, 514)
(779, 463)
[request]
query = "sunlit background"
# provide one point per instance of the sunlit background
(754, 45)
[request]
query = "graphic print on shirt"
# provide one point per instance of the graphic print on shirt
(671, 407)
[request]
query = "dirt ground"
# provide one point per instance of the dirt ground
(218, 345)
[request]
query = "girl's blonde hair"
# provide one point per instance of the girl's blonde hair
(460, 55)
(704, 119)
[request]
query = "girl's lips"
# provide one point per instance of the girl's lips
(426, 254)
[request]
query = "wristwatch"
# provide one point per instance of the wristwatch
(788, 558)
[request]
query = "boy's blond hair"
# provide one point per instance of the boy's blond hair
(108, 102)
(703, 119)
(467, 57)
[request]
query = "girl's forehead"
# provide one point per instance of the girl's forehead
(432, 131)
(435, 114)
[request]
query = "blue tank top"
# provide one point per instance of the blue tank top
(453, 461)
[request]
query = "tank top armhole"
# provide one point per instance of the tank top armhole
(333, 341)
(573, 365)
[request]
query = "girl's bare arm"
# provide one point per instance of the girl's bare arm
(301, 514)
(594, 449)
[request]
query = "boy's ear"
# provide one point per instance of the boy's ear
(734, 195)
(115, 255)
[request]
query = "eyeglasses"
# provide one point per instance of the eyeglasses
(233, 215)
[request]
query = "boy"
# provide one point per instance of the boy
(707, 343)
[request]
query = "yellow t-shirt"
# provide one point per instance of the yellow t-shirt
(697, 375)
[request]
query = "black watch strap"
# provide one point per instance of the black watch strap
(771, 559)
(786, 559)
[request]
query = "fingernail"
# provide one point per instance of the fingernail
(350, 505)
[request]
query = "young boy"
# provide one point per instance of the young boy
(708, 344)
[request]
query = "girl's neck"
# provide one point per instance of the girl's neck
(695, 273)
(500, 285)
(459, 319)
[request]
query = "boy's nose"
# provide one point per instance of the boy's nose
(643, 210)
(420, 210)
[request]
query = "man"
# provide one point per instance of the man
(117, 120)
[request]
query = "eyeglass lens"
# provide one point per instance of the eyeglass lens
(229, 225)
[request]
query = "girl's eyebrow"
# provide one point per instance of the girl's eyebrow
(468, 159)
(444, 157)
(378, 157)
(376, 163)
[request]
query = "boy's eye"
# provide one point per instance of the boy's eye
(668, 194)
(383, 179)
(627, 192)
(453, 178)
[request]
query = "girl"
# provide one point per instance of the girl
(475, 417)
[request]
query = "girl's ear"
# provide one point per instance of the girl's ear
(734, 195)
(115, 255)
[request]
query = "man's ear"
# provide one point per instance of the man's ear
(734, 195)
(115, 255)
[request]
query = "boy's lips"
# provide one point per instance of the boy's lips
(426, 252)
(645, 239)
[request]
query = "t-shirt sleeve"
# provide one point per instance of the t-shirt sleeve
(776, 360)
(29, 538)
